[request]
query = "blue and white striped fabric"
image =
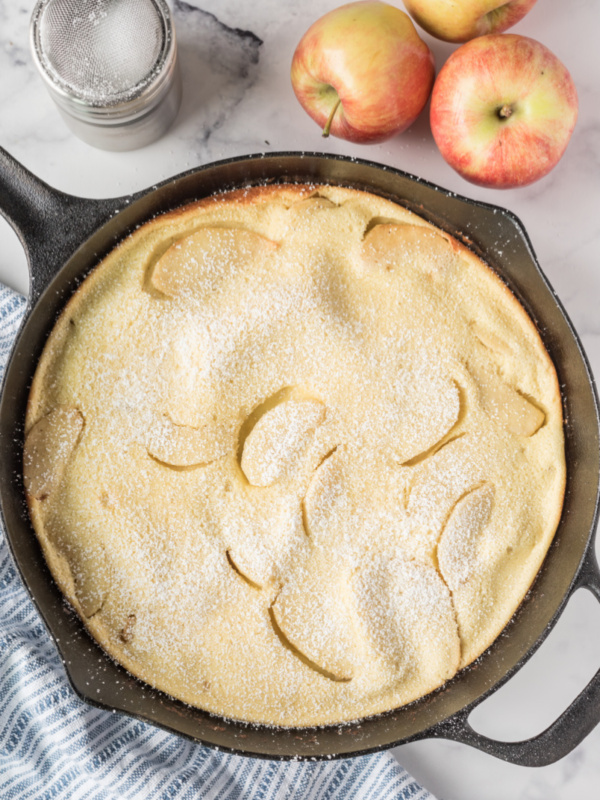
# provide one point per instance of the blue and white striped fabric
(52, 745)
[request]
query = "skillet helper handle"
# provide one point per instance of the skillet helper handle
(50, 224)
(564, 734)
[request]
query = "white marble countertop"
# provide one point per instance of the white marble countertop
(235, 59)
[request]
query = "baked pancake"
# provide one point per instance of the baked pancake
(294, 455)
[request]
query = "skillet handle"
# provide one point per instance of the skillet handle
(564, 734)
(50, 224)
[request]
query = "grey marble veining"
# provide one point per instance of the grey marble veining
(235, 59)
(219, 66)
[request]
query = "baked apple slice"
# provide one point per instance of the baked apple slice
(278, 440)
(199, 264)
(48, 447)
(182, 446)
(313, 618)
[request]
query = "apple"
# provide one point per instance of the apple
(362, 72)
(503, 109)
(459, 22)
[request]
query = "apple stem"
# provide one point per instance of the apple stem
(327, 127)
(505, 112)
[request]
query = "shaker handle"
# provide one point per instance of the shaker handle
(559, 738)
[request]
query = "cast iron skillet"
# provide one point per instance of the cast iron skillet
(66, 236)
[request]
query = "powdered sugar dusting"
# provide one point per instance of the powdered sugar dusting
(273, 508)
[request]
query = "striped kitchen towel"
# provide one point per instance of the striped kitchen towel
(53, 745)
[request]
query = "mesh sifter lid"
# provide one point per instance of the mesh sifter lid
(103, 55)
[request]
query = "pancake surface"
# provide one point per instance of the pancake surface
(294, 455)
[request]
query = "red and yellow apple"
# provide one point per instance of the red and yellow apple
(503, 109)
(362, 72)
(460, 21)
